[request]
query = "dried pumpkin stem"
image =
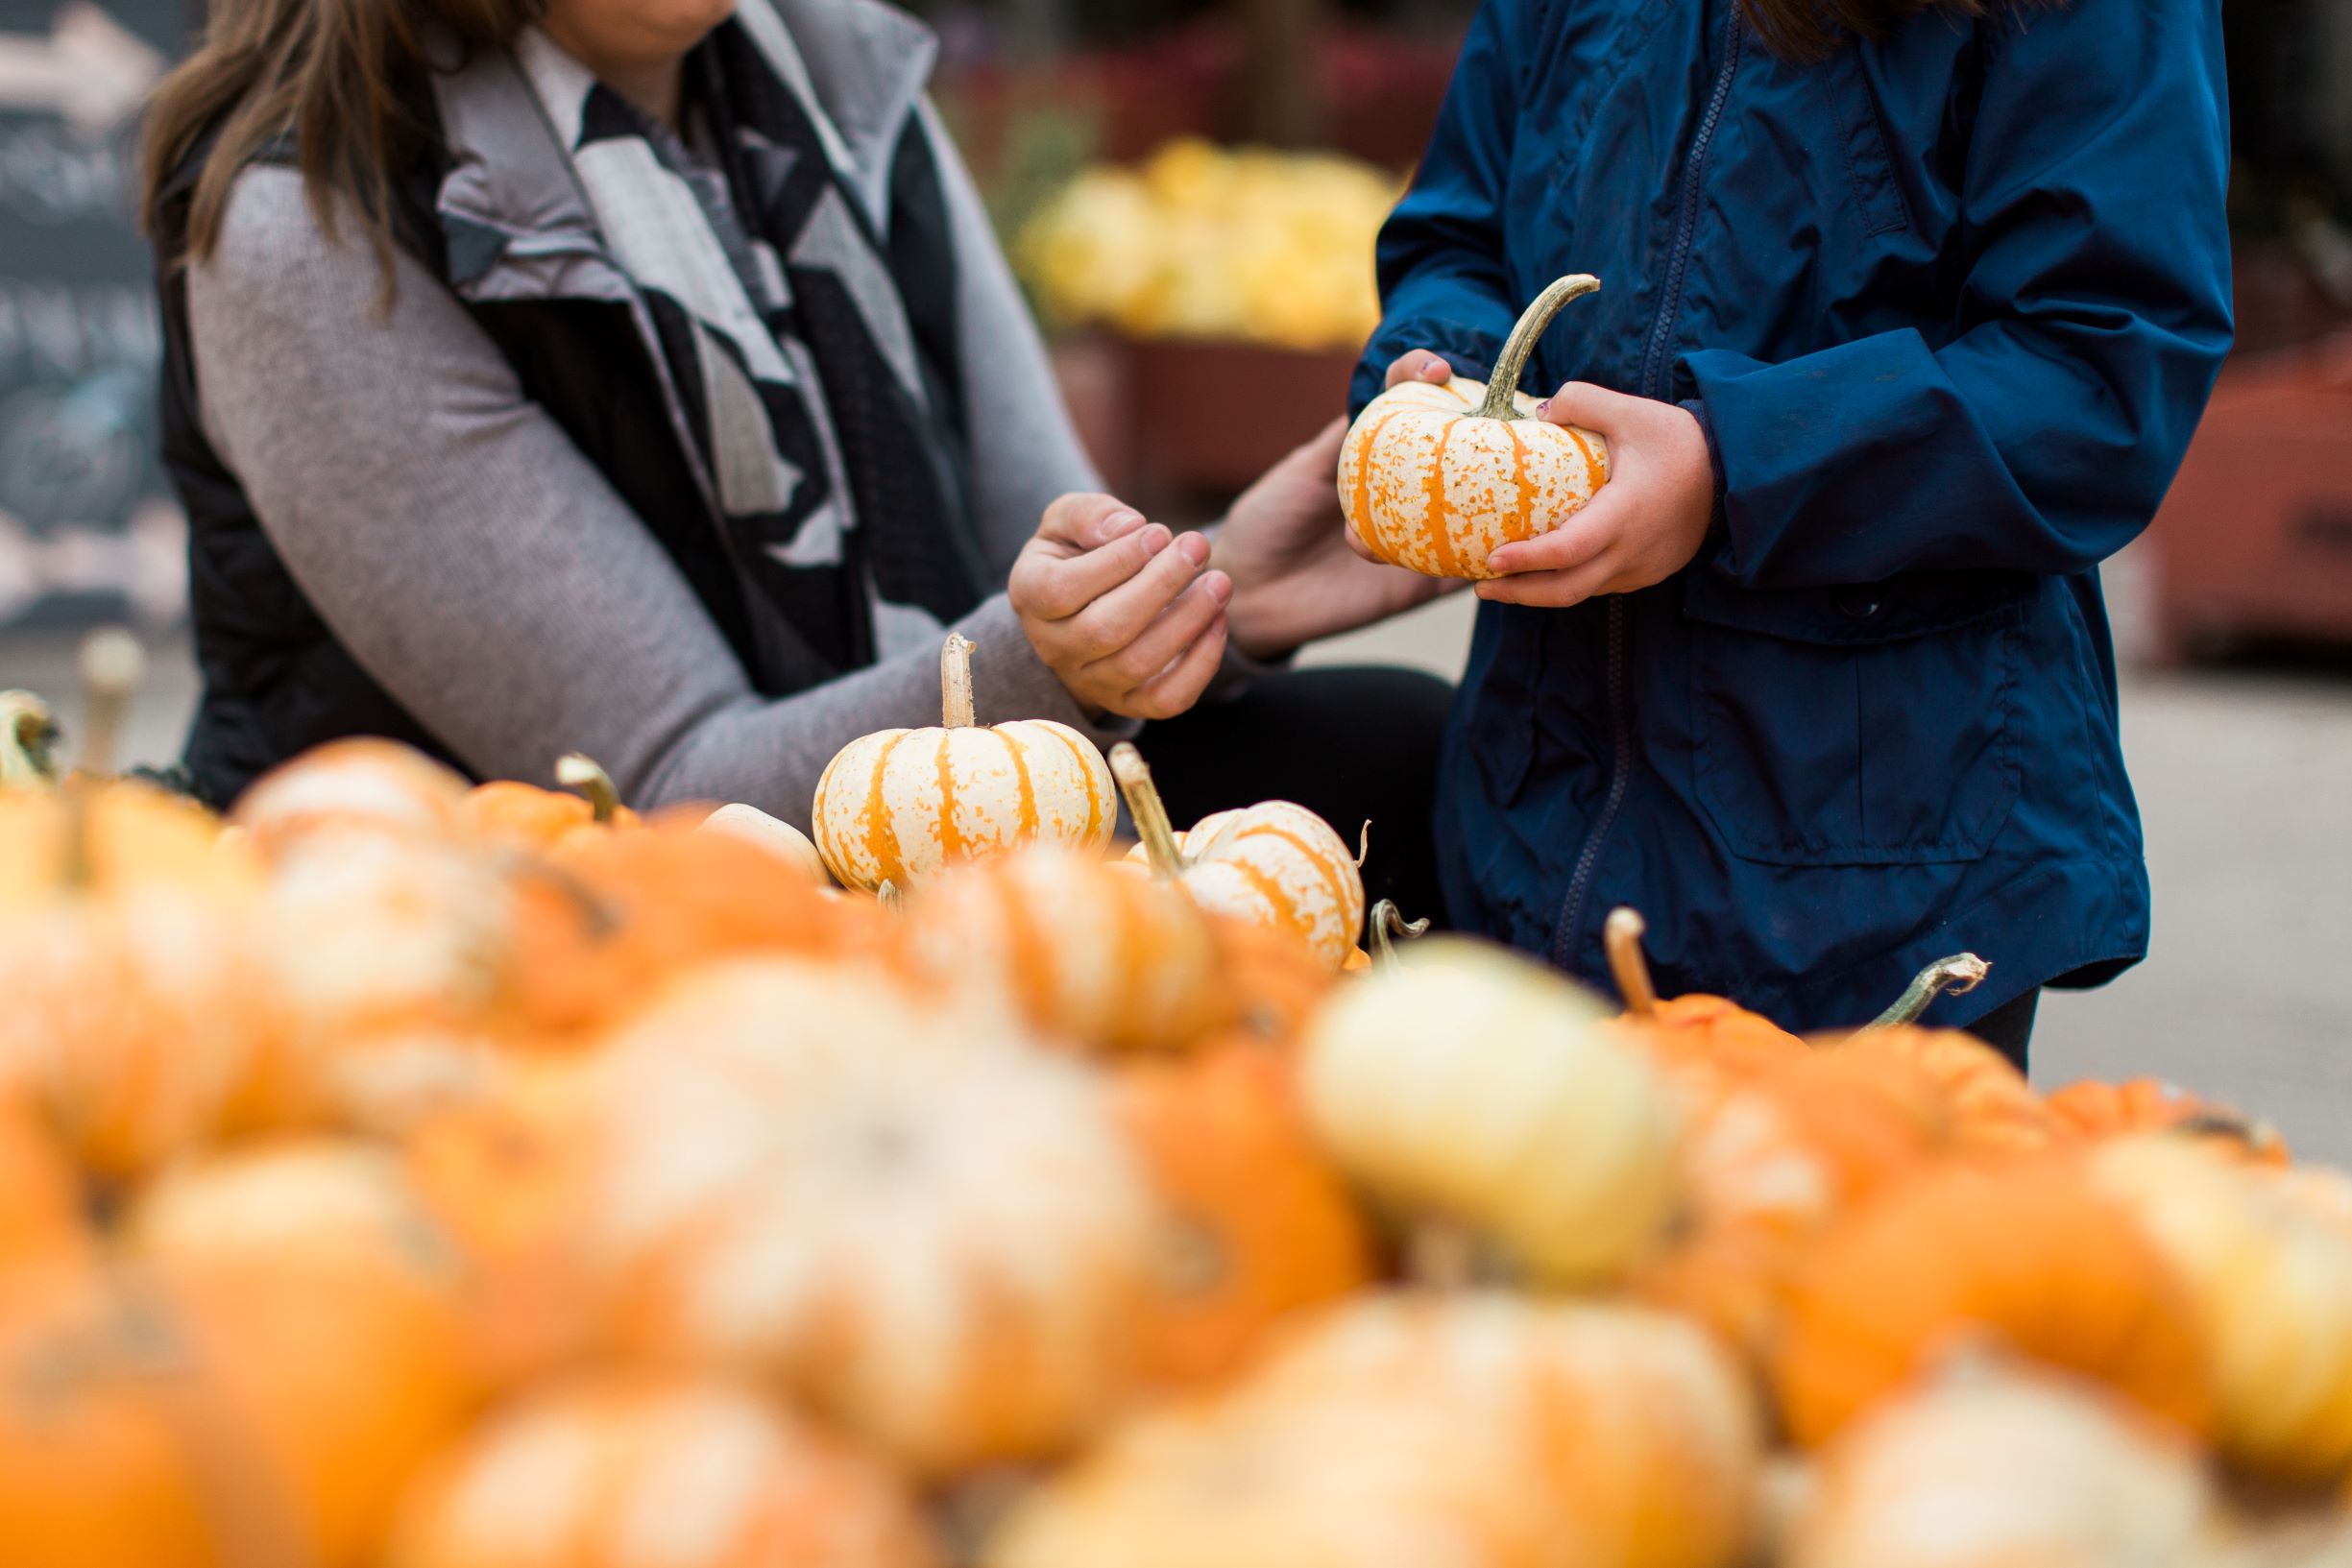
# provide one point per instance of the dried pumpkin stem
(1150, 814)
(1504, 387)
(28, 738)
(1959, 975)
(112, 665)
(581, 773)
(1621, 935)
(1364, 844)
(1390, 926)
(956, 681)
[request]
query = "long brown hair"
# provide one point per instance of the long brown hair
(330, 72)
(1811, 30)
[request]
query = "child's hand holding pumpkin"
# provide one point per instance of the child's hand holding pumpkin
(1641, 528)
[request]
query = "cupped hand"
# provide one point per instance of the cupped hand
(1287, 546)
(1125, 612)
(1645, 525)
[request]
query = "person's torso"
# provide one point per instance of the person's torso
(1808, 792)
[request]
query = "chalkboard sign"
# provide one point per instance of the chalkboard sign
(87, 524)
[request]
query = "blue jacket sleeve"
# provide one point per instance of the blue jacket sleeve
(1442, 281)
(2094, 310)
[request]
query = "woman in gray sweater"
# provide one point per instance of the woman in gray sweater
(641, 377)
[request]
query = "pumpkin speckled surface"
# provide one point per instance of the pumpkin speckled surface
(1437, 477)
(623, 1471)
(1274, 864)
(899, 806)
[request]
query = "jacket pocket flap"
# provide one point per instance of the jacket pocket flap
(1920, 605)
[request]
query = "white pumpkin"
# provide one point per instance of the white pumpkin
(1989, 1468)
(1472, 1085)
(749, 825)
(931, 1233)
(1270, 864)
(900, 804)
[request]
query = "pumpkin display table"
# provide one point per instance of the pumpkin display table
(405, 1174)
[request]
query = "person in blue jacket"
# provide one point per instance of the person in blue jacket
(1908, 311)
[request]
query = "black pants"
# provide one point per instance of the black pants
(2008, 1029)
(1350, 745)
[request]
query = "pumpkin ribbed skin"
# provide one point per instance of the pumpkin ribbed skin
(2032, 1255)
(333, 1315)
(934, 1235)
(1257, 1226)
(1647, 1436)
(1475, 1086)
(648, 1473)
(1429, 485)
(901, 804)
(2268, 1261)
(361, 785)
(1084, 953)
(1277, 864)
(1994, 1111)
(1990, 1468)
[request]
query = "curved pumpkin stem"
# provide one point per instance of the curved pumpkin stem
(956, 681)
(1364, 844)
(1390, 926)
(1622, 937)
(28, 738)
(581, 773)
(1521, 344)
(1150, 814)
(1959, 975)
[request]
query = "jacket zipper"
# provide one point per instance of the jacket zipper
(1655, 369)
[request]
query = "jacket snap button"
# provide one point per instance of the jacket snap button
(1860, 603)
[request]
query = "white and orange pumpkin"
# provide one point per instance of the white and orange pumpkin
(1273, 863)
(899, 806)
(1437, 477)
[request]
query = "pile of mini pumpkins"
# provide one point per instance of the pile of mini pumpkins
(1201, 241)
(405, 1174)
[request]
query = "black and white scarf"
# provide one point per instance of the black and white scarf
(809, 334)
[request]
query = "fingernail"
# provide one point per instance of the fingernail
(1195, 548)
(1120, 524)
(1219, 588)
(1155, 539)
(1543, 409)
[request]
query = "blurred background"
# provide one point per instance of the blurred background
(1190, 189)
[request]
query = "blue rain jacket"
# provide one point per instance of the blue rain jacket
(1948, 305)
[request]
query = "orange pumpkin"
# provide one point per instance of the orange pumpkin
(1082, 953)
(2029, 1254)
(1713, 1030)
(39, 1199)
(1768, 1163)
(98, 1425)
(2093, 1111)
(604, 920)
(1437, 477)
(1271, 980)
(333, 1320)
(628, 1472)
(1256, 1226)
(1994, 1112)
(509, 812)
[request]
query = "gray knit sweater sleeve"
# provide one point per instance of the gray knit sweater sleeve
(479, 566)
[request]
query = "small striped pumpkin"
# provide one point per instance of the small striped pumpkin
(1436, 478)
(1270, 864)
(1083, 952)
(900, 804)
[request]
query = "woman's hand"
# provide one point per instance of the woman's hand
(1645, 524)
(1287, 547)
(1123, 610)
